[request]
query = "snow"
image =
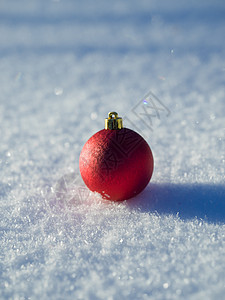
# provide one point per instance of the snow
(66, 64)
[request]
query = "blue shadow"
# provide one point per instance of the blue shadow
(201, 201)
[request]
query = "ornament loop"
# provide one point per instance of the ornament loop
(113, 122)
(113, 113)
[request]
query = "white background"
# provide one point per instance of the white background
(63, 66)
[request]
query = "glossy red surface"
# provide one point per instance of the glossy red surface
(118, 164)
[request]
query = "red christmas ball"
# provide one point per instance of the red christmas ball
(117, 163)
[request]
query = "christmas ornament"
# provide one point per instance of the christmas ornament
(116, 161)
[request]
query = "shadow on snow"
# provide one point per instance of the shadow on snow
(201, 201)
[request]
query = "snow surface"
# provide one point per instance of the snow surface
(64, 65)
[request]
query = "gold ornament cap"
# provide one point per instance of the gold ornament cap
(113, 121)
